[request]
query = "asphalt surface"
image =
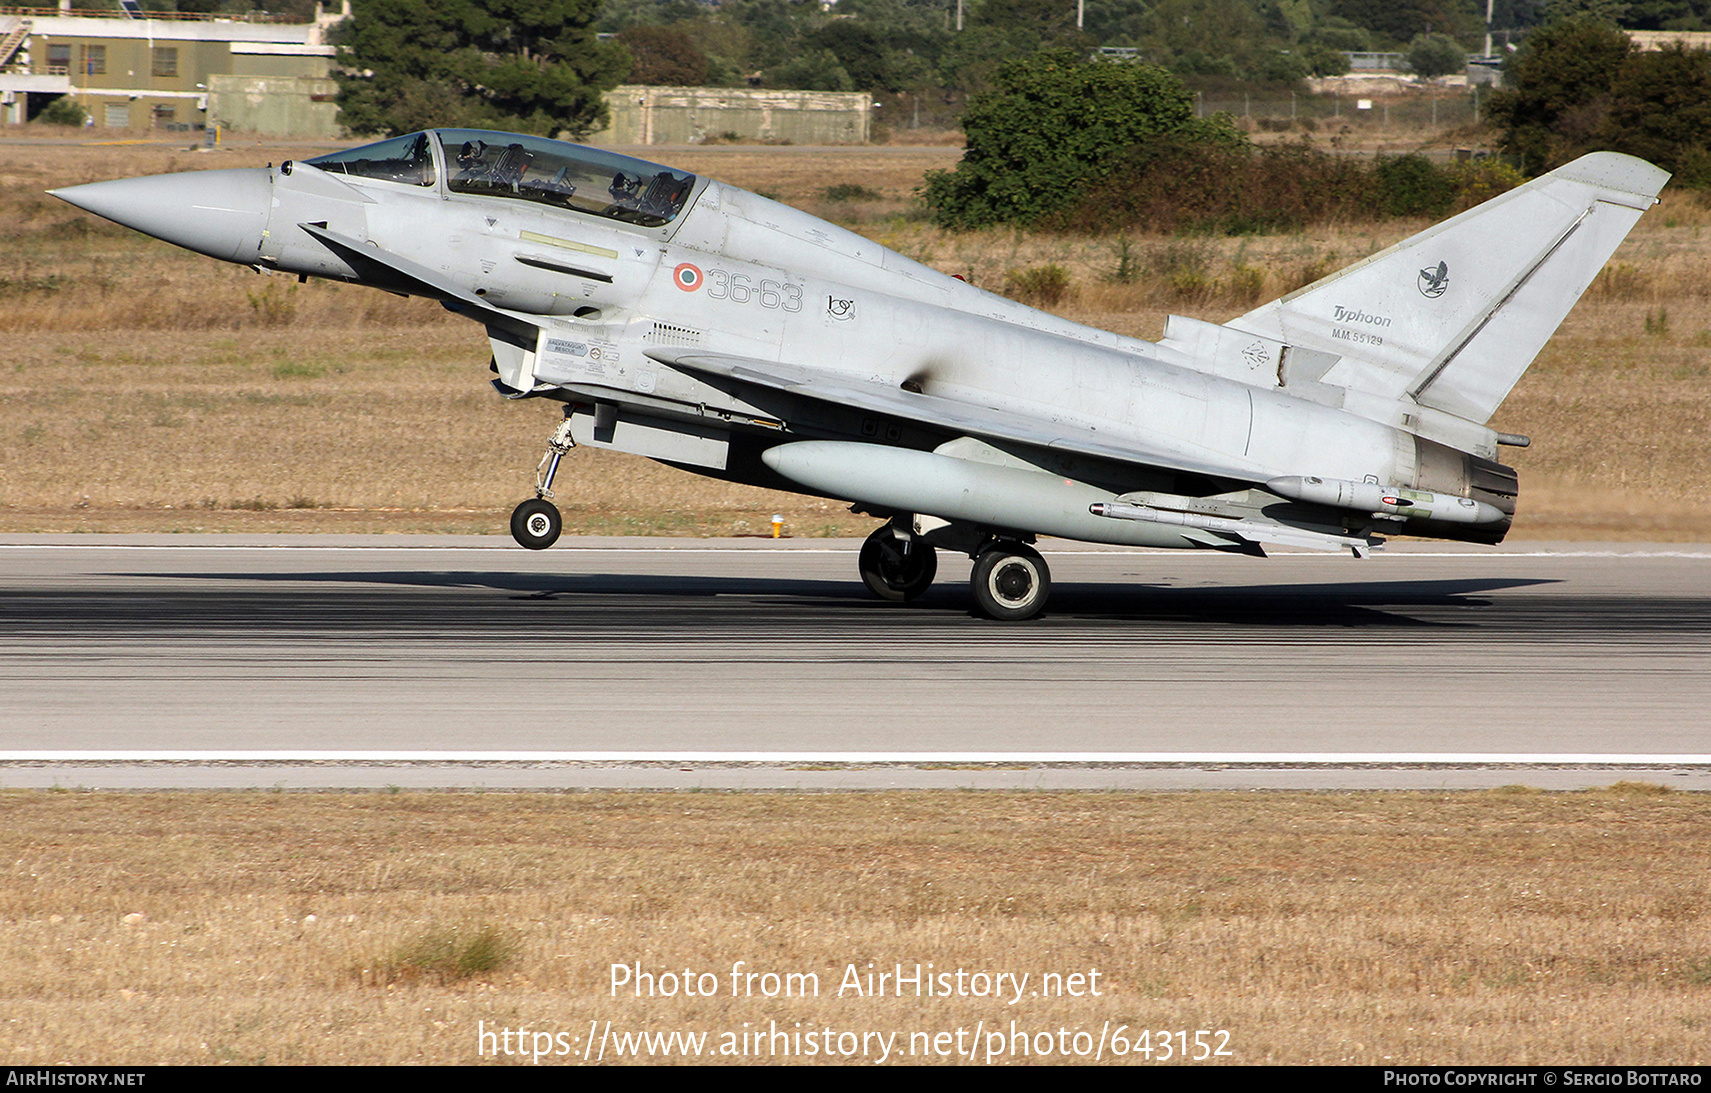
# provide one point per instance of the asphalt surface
(137, 661)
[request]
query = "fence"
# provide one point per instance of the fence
(1442, 111)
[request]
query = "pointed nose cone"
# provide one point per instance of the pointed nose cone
(218, 213)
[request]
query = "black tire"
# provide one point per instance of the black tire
(896, 569)
(1010, 582)
(536, 524)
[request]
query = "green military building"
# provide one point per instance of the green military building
(133, 69)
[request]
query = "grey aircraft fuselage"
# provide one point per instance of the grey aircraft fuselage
(696, 323)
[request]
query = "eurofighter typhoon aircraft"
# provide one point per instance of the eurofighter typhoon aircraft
(711, 329)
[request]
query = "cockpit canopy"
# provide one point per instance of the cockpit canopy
(514, 165)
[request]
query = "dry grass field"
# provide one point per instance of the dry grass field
(1506, 927)
(145, 388)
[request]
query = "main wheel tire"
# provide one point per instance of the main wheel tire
(1010, 582)
(896, 569)
(536, 524)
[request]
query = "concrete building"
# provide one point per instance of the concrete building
(301, 105)
(252, 73)
(690, 115)
(1668, 39)
(152, 70)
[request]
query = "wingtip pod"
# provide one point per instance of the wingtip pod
(1617, 174)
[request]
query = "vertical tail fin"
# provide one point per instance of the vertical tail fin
(1451, 317)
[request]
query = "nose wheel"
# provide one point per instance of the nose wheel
(536, 523)
(1010, 581)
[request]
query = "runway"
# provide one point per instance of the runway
(286, 661)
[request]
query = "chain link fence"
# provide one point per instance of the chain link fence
(1279, 113)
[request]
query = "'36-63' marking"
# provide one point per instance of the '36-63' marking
(740, 288)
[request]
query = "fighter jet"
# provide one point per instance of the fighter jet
(694, 323)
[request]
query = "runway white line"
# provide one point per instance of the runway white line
(570, 548)
(1147, 758)
(444, 549)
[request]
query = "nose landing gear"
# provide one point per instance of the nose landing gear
(536, 523)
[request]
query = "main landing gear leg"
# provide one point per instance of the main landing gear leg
(897, 564)
(536, 523)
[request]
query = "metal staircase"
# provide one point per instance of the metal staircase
(13, 32)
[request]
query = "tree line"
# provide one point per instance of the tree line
(522, 59)
(1047, 126)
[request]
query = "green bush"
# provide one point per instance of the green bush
(1479, 180)
(1055, 124)
(1323, 60)
(849, 191)
(63, 111)
(1176, 186)
(1433, 55)
(444, 956)
(1557, 89)
(1580, 85)
(1412, 186)
(1180, 187)
(1041, 285)
(814, 70)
